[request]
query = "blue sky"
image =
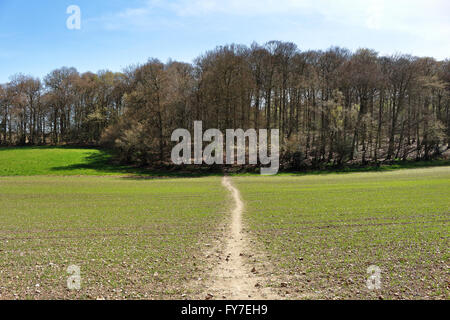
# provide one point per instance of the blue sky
(34, 38)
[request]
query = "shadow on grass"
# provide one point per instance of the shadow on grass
(103, 162)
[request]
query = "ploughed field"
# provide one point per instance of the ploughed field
(131, 237)
(322, 232)
(135, 236)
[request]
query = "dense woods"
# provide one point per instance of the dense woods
(331, 107)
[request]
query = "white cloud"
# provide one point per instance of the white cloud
(143, 19)
(425, 23)
(132, 13)
(425, 18)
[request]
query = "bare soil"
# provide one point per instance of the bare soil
(235, 277)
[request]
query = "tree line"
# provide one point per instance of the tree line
(331, 107)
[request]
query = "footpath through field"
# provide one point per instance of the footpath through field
(234, 278)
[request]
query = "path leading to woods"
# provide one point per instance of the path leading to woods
(235, 277)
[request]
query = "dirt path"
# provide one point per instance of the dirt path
(234, 277)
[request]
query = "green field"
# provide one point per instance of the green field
(324, 231)
(31, 161)
(131, 238)
(145, 237)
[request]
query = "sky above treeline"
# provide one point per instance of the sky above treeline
(113, 34)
